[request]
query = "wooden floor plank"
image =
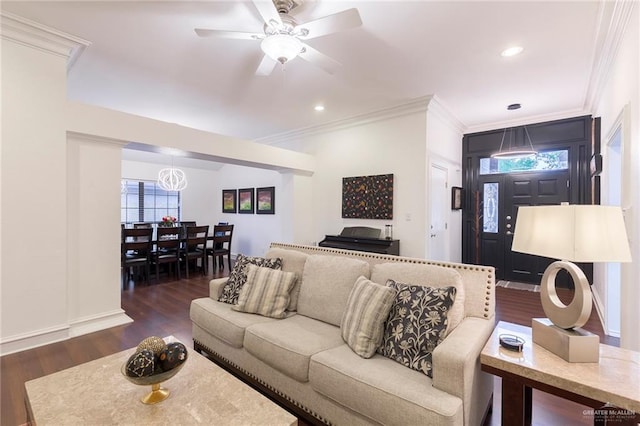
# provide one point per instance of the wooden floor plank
(162, 308)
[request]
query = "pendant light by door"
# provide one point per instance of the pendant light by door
(510, 152)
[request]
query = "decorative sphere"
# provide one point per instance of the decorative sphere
(174, 355)
(141, 364)
(154, 344)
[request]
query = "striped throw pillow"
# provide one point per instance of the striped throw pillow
(363, 320)
(266, 292)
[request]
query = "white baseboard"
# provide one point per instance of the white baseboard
(98, 322)
(63, 332)
(34, 339)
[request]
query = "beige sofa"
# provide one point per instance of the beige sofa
(303, 363)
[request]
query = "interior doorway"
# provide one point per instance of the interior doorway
(438, 212)
(614, 198)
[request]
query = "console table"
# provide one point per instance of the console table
(614, 381)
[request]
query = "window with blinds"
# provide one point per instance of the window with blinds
(145, 201)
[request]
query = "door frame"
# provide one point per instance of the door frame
(575, 133)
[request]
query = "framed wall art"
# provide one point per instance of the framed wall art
(456, 198)
(229, 201)
(245, 200)
(266, 200)
(367, 197)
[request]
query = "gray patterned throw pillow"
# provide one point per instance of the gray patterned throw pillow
(238, 275)
(417, 324)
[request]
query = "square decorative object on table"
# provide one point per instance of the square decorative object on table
(245, 200)
(229, 200)
(266, 200)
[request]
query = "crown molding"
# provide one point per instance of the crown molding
(613, 19)
(414, 106)
(438, 108)
(541, 118)
(41, 37)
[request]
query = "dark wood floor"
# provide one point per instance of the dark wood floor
(162, 308)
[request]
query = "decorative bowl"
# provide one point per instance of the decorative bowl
(157, 393)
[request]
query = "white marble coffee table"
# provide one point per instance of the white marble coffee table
(97, 393)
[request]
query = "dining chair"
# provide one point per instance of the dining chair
(195, 246)
(136, 250)
(221, 246)
(143, 225)
(167, 249)
(183, 227)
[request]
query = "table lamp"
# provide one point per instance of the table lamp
(572, 233)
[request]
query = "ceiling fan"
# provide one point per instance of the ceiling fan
(283, 39)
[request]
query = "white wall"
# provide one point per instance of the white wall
(252, 233)
(444, 148)
(48, 289)
(387, 145)
(623, 89)
(93, 240)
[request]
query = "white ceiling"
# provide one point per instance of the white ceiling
(145, 59)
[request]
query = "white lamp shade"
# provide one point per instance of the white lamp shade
(577, 233)
(281, 47)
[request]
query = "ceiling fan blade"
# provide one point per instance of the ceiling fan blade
(268, 12)
(320, 59)
(266, 66)
(340, 21)
(228, 34)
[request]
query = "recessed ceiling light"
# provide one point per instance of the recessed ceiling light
(512, 51)
(319, 107)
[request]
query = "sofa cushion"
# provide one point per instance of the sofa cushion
(381, 389)
(363, 320)
(326, 284)
(416, 324)
(427, 275)
(221, 321)
(238, 275)
(292, 261)
(266, 292)
(287, 345)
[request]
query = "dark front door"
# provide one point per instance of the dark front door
(501, 196)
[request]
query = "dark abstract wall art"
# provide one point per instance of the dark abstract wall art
(367, 197)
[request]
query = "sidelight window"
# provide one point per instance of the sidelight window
(542, 161)
(490, 203)
(145, 201)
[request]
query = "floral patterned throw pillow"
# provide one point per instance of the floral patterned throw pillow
(416, 324)
(238, 275)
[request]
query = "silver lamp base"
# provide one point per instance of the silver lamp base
(573, 345)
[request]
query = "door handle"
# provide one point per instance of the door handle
(509, 233)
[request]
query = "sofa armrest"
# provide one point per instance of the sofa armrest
(456, 366)
(215, 287)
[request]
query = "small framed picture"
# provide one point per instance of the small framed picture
(457, 198)
(595, 164)
(229, 201)
(265, 200)
(245, 200)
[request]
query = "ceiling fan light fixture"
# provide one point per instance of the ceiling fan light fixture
(281, 47)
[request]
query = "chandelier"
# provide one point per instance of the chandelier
(510, 152)
(172, 179)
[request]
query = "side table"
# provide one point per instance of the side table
(614, 381)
